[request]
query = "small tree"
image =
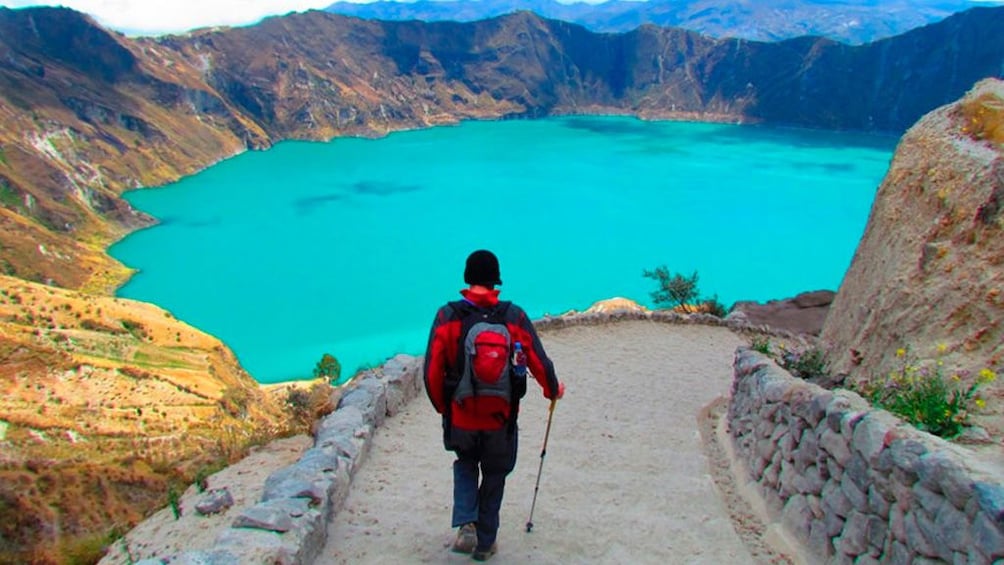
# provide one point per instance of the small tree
(328, 368)
(674, 290)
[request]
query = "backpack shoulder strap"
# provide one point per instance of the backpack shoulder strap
(460, 307)
(463, 308)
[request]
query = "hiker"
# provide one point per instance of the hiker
(477, 390)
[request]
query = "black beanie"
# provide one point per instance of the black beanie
(482, 269)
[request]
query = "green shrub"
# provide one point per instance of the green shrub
(174, 500)
(714, 307)
(9, 198)
(924, 397)
(760, 343)
(808, 364)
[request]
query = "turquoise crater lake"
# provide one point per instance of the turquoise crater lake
(349, 246)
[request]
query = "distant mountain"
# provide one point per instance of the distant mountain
(848, 21)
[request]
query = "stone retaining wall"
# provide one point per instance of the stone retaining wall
(855, 484)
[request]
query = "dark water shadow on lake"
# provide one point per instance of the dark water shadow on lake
(174, 221)
(726, 134)
(383, 188)
(835, 168)
(619, 126)
(311, 203)
(797, 137)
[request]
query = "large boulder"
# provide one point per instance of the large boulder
(803, 314)
(929, 270)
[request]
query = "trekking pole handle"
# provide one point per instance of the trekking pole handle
(547, 433)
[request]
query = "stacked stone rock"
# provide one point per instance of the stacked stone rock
(289, 525)
(855, 484)
(618, 315)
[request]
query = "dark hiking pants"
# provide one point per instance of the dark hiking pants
(493, 453)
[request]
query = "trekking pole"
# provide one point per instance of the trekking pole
(543, 452)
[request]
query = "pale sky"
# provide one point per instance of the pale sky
(159, 16)
(163, 16)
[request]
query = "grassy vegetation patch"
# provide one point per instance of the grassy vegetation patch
(98, 326)
(165, 358)
(137, 329)
(984, 118)
(8, 197)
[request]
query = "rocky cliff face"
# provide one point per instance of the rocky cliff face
(87, 114)
(929, 270)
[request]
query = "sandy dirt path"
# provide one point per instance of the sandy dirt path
(625, 480)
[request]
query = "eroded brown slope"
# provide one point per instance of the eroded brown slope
(104, 402)
(87, 114)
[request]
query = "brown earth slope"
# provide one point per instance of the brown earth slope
(105, 403)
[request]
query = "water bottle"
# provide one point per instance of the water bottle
(519, 361)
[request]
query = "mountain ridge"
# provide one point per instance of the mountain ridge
(850, 22)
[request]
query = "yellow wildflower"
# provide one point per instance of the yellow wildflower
(900, 352)
(986, 376)
(980, 403)
(942, 348)
(956, 378)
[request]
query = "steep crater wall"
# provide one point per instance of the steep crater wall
(89, 113)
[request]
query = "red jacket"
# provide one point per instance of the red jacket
(481, 413)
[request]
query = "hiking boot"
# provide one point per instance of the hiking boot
(467, 539)
(485, 554)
